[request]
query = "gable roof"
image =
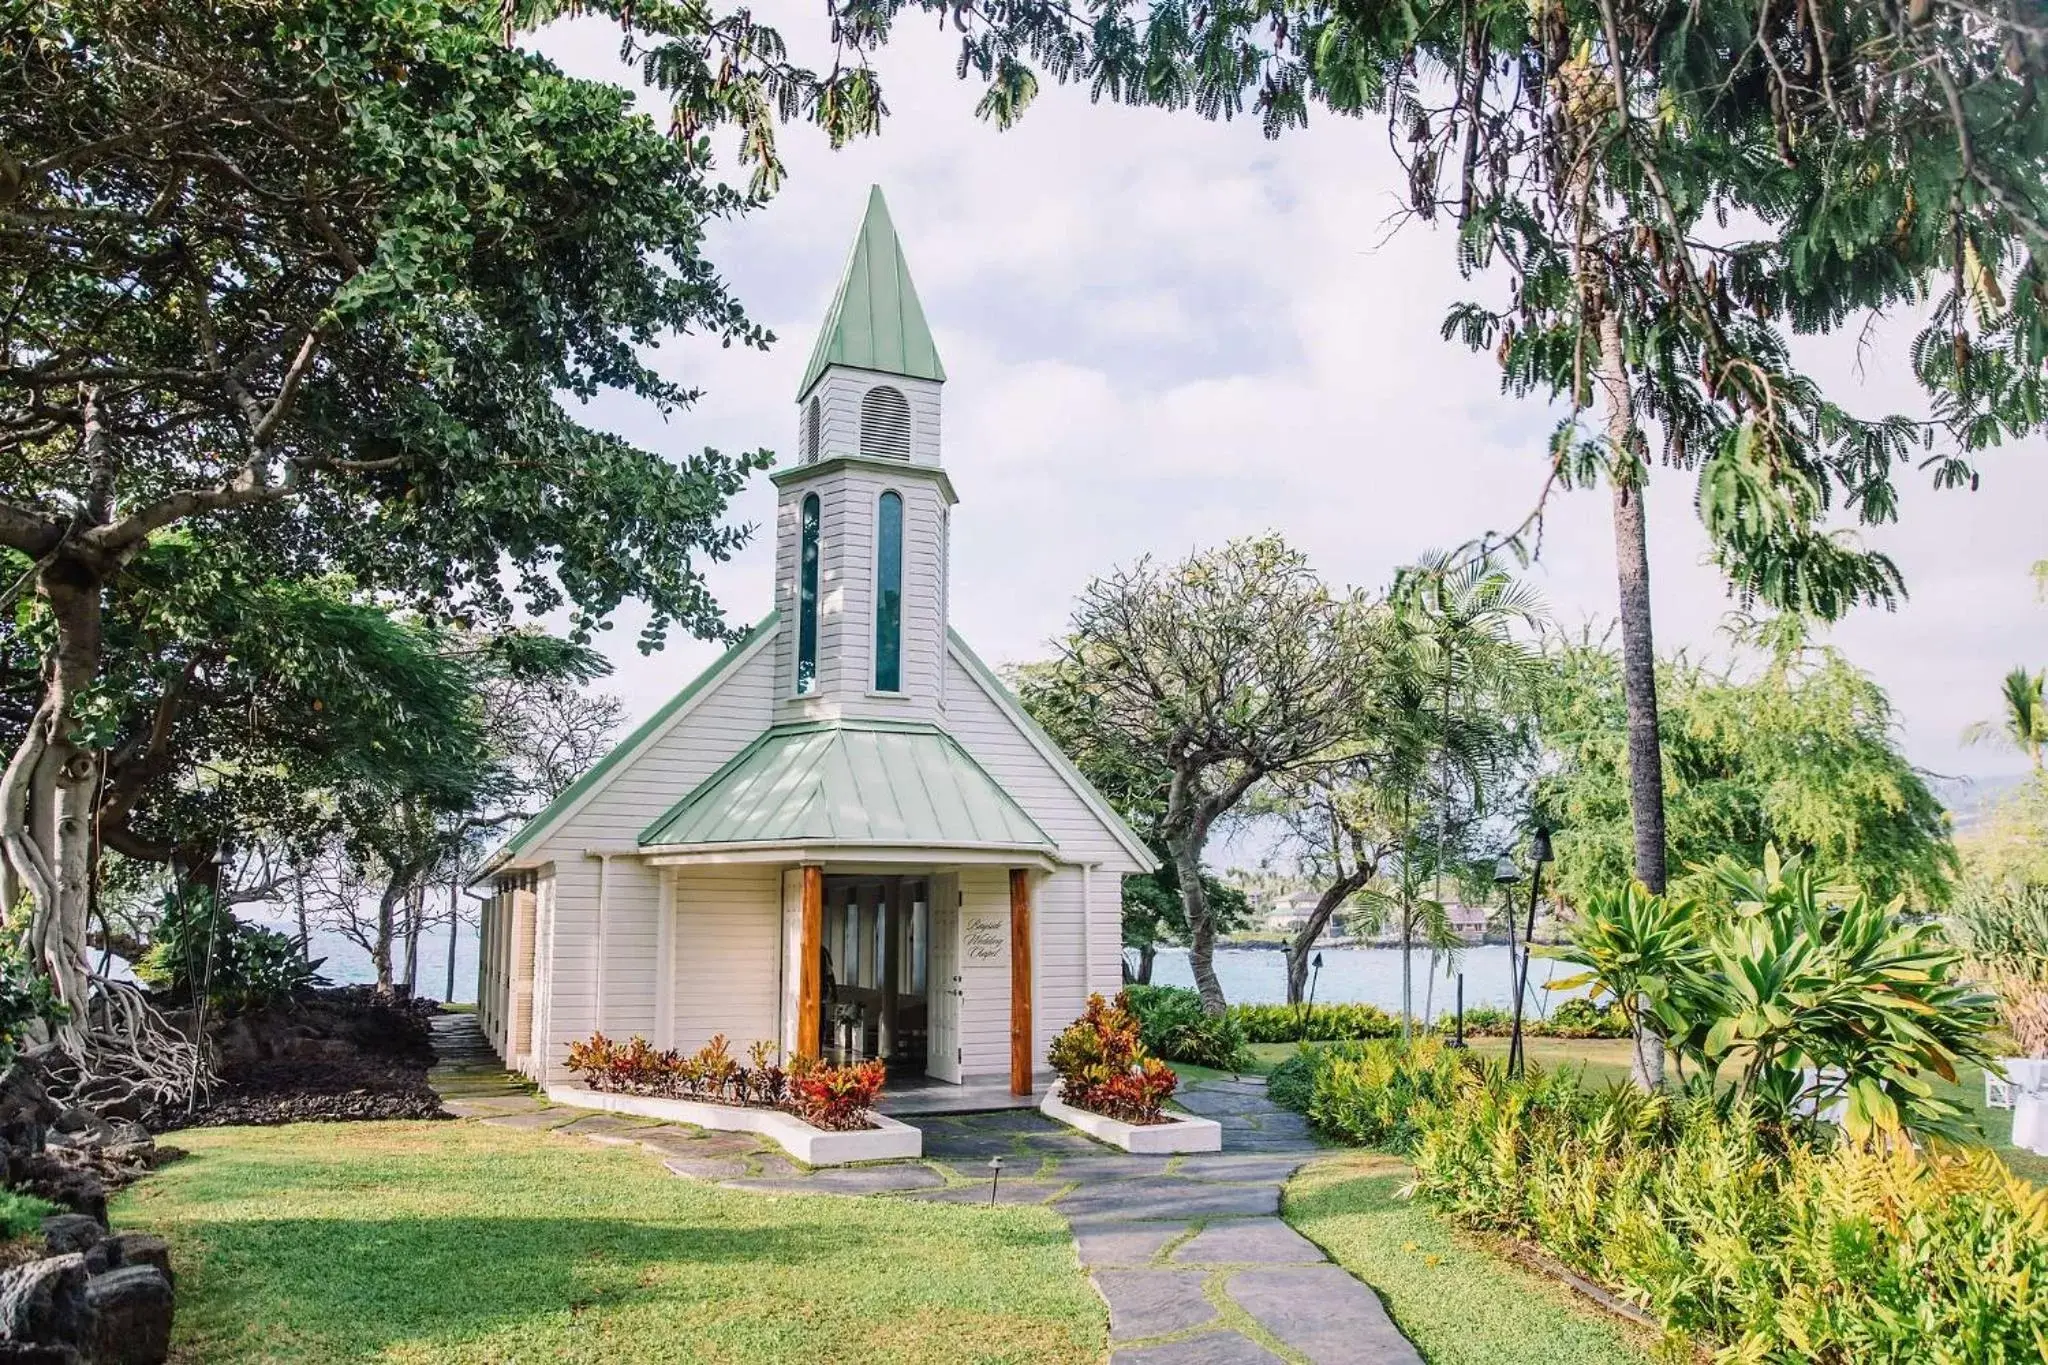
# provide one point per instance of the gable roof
(1049, 749)
(875, 321)
(576, 793)
(850, 782)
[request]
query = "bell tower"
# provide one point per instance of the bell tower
(862, 516)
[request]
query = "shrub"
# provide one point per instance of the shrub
(839, 1098)
(1314, 1023)
(1172, 1025)
(1776, 978)
(22, 1215)
(836, 1098)
(1775, 1244)
(1104, 1067)
(1581, 1018)
(198, 944)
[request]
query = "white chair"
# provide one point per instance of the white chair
(1998, 1091)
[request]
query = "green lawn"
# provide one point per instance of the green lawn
(459, 1242)
(1460, 1303)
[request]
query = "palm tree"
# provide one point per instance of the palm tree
(2024, 723)
(1460, 610)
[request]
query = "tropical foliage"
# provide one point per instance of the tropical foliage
(1800, 994)
(1104, 1067)
(1800, 750)
(1172, 1024)
(2022, 724)
(839, 1098)
(2003, 927)
(1694, 1207)
(201, 951)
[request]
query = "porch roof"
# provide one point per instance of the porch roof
(850, 782)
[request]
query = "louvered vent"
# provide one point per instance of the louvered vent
(885, 424)
(814, 418)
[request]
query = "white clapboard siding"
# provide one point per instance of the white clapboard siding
(840, 392)
(987, 732)
(727, 956)
(721, 721)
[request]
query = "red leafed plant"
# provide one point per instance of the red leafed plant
(840, 1098)
(1105, 1069)
(837, 1098)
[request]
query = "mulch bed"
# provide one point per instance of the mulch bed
(337, 1055)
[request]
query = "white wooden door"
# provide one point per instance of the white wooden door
(942, 981)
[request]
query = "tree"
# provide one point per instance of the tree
(2023, 724)
(1664, 190)
(1342, 836)
(1136, 784)
(316, 272)
(1234, 666)
(1457, 614)
(1798, 751)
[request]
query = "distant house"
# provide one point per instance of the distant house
(1468, 921)
(1290, 912)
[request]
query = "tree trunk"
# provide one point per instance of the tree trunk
(415, 905)
(1297, 971)
(387, 918)
(47, 796)
(1194, 900)
(454, 929)
(1638, 653)
(1143, 975)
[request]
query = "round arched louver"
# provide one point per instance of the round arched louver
(884, 424)
(813, 419)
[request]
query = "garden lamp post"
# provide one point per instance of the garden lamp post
(1539, 854)
(1506, 872)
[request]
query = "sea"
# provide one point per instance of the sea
(1250, 976)
(1372, 976)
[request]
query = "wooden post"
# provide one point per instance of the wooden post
(810, 944)
(1020, 981)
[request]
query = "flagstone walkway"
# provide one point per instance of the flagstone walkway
(1189, 1252)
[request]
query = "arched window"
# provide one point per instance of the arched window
(885, 424)
(807, 601)
(814, 418)
(889, 594)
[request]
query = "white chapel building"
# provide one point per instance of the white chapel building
(845, 836)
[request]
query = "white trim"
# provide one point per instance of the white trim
(1061, 764)
(534, 859)
(604, 888)
(889, 1140)
(920, 855)
(665, 963)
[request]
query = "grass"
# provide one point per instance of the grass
(1460, 1303)
(459, 1242)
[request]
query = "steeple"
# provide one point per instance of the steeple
(875, 322)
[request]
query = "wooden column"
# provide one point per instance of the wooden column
(1020, 981)
(810, 944)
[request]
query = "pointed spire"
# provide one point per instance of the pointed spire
(875, 322)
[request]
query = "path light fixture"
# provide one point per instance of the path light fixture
(1539, 854)
(995, 1166)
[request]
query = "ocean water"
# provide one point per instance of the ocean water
(345, 964)
(1372, 976)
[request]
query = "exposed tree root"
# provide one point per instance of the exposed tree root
(124, 1054)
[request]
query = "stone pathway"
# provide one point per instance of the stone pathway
(1189, 1252)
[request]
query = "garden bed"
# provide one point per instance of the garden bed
(885, 1140)
(1173, 1133)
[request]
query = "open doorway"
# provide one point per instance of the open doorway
(875, 974)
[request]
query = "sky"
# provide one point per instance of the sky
(1160, 333)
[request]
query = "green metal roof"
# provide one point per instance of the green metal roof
(850, 782)
(529, 833)
(875, 322)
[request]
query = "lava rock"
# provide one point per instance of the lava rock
(68, 1232)
(67, 1184)
(131, 1310)
(38, 1353)
(139, 1248)
(44, 1301)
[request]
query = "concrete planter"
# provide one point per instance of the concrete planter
(888, 1140)
(1182, 1132)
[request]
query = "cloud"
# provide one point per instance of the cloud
(1160, 333)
